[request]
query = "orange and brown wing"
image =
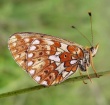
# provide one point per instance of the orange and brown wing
(49, 60)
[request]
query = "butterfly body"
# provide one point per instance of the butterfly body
(49, 60)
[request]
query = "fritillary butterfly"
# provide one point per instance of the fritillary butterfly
(49, 60)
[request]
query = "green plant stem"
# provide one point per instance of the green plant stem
(74, 79)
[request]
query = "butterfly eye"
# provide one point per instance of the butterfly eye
(91, 49)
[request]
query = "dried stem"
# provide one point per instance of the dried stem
(74, 79)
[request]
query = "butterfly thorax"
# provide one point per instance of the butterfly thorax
(85, 62)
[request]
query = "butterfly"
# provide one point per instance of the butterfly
(47, 59)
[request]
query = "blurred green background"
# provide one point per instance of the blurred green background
(55, 17)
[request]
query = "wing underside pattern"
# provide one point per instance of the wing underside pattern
(49, 60)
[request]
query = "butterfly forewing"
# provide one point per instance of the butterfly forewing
(49, 60)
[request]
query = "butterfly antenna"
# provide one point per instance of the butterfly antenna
(90, 15)
(82, 35)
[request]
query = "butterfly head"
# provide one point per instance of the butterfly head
(93, 50)
(87, 60)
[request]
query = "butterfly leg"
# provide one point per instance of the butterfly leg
(92, 65)
(89, 77)
(82, 75)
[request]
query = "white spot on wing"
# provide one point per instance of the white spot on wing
(37, 78)
(57, 63)
(30, 63)
(48, 47)
(44, 83)
(26, 39)
(36, 42)
(59, 50)
(64, 73)
(32, 72)
(12, 39)
(57, 53)
(32, 48)
(47, 52)
(52, 61)
(17, 56)
(60, 68)
(14, 44)
(49, 42)
(70, 73)
(54, 58)
(39, 65)
(30, 55)
(54, 82)
(73, 61)
(22, 54)
(67, 76)
(64, 47)
(78, 51)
